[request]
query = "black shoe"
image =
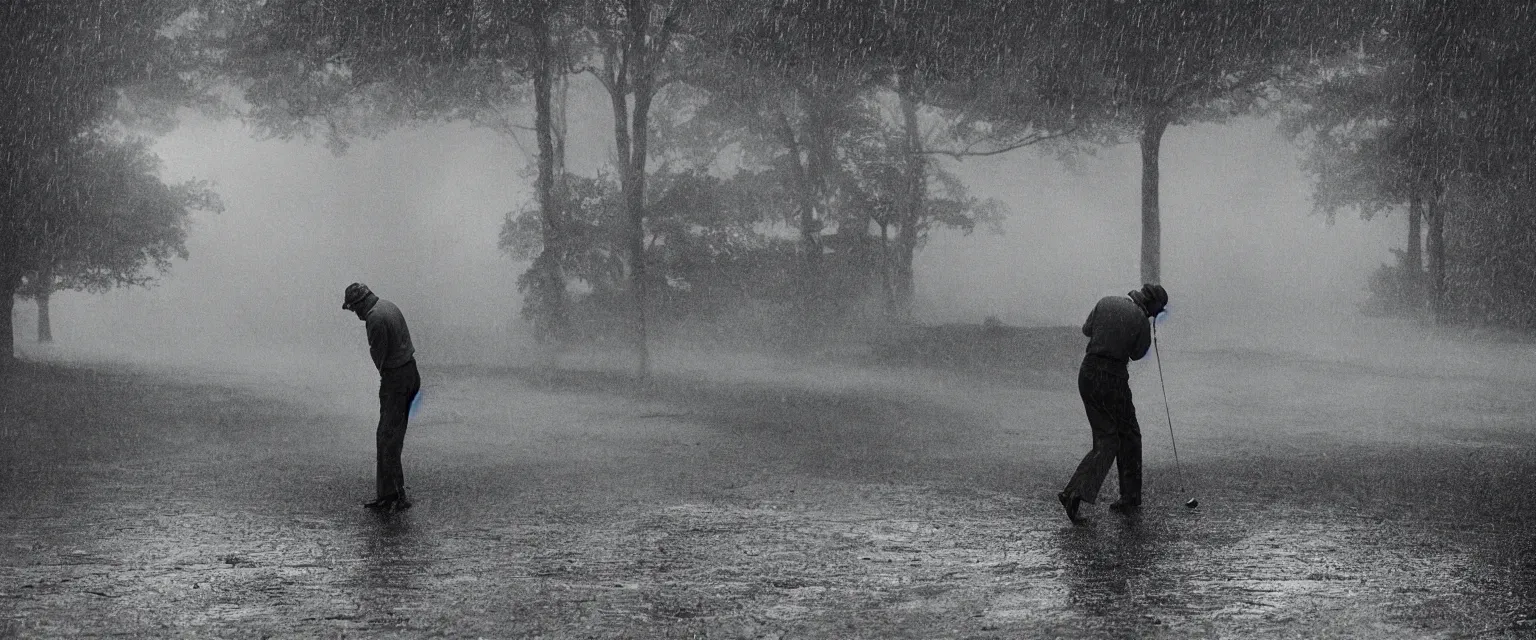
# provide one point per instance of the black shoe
(1070, 502)
(380, 504)
(1125, 506)
(401, 504)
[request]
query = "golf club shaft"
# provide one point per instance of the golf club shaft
(1167, 412)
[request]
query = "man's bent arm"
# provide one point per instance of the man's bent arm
(378, 341)
(1143, 341)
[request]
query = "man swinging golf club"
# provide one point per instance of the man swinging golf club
(389, 342)
(1119, 330)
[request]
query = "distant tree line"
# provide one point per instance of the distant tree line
(784, 156)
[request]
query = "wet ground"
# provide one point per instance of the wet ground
(760, 499)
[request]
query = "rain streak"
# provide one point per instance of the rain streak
(789, 319)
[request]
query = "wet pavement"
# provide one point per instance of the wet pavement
(766, 501)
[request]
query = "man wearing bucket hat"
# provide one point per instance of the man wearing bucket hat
(389, 342)
(1119, 330)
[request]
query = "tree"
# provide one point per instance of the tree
(895, 183)
(1365, 152)
(68, 66)
(592, 254)
(964, 78)
(550, 67)
(790, 104)
(705, 250)
(814, 72)
(1141, 66)
(1422, 116)
(1479, 142)
(356, 68)
(962, 60)
(635, 40)
(120, 225)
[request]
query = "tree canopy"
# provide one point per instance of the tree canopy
(804, 135)
(69, 69)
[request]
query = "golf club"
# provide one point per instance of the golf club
(1192, 502)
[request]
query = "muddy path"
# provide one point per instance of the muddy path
(770, 501)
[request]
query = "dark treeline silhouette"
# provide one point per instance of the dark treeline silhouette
(777, 165)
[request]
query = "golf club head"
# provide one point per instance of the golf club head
(1192, 503)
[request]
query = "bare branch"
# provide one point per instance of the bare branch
(970, 152)
(504, 125)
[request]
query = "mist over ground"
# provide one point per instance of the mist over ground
(795, 445)
(415, 214)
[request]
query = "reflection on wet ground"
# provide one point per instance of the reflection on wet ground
(1197, 576)
(730, 508)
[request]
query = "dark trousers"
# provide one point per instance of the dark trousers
(1106, 392)
(397, 388)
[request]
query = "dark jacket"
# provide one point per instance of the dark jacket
(1118, 330)
(389, 339)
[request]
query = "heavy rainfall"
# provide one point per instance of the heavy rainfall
(808, 318)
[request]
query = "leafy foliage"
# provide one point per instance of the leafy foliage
(117, 226)
(1424, 114)
(781, 114)
(354, 68)
(72, 69)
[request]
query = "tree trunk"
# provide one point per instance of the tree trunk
(559, 128)
(887, 290)
(10, 279)
(914, 211)
(7, 327)
(630, 128)
(1435, 244)
(44, 327)
(634, 198)
(819, 163)
(1151, 226)
(556, 311)
(821, 179)
(1413, 255)
(808, 270)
